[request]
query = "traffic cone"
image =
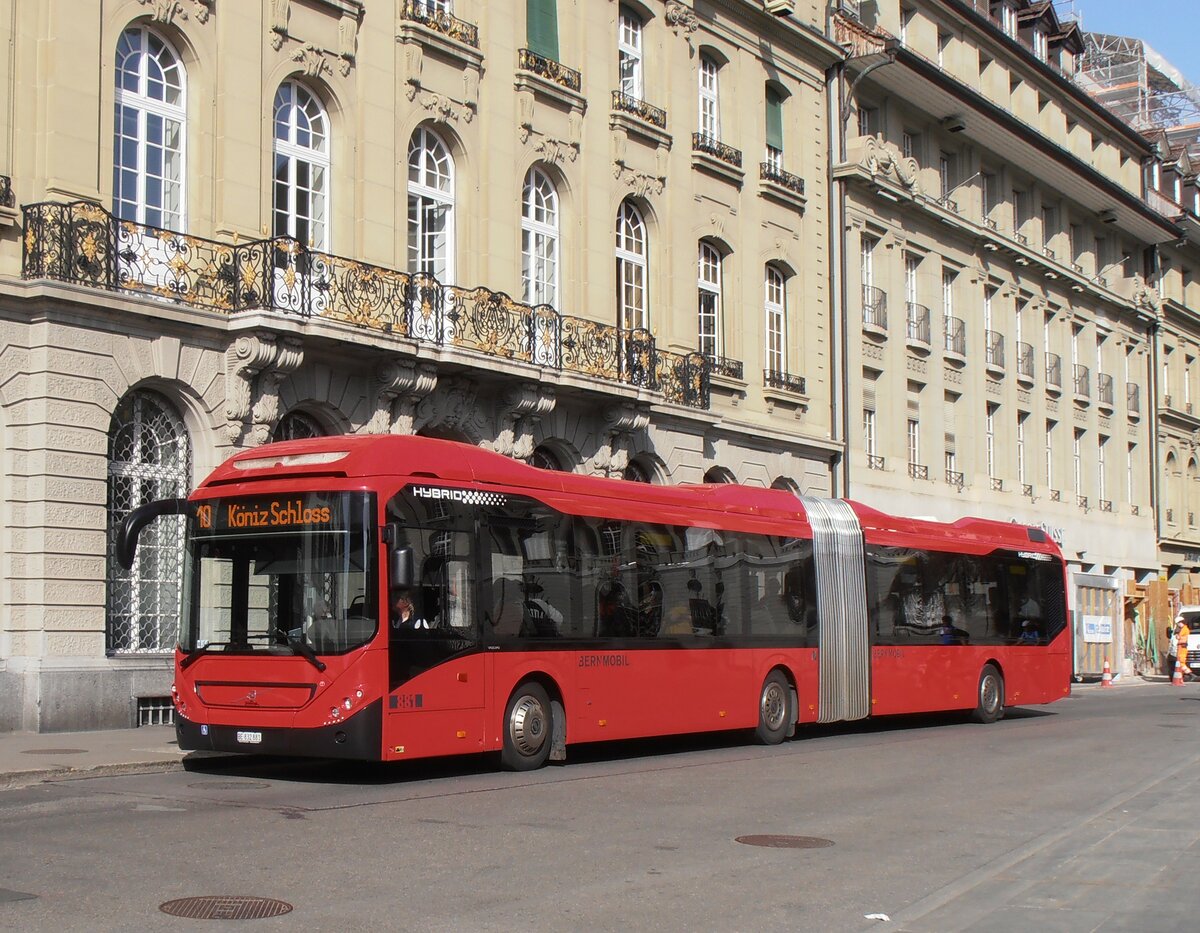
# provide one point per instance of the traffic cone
(1177, 677)
(1106, 680)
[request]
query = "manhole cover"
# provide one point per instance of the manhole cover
(229, 785)
(225, 907)
(54, 751)
(785, 842)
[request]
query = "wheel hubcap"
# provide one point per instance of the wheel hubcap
(774, 706)
(527, 726)
(990, 694)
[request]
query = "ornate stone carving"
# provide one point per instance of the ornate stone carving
(620, 420)
(347, 42)
(640, 183)
(521, 408)
(255, 365)
(556, 151)
(454, 406)
(883, 158)
(311, 60)
(400, 385)
(681, 19)
(1146, 297)
(278, 24)
(167, 11)
(441, 106)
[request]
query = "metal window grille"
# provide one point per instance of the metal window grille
(149, 457)
(155, 711)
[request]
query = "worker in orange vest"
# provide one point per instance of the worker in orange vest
(1181, 647)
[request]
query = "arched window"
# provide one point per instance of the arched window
(717, 475)
(775, 325)
(710, 101)
(708, 284)
(297, 426)
(539, 240)
(148, 134)
(632, 306)
(149, 457)
(636, 473)
(430, 206)
(301, 198)
(545, 459)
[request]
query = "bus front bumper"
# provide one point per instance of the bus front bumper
(359, 738)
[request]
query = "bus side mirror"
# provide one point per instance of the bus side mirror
(139, 518)
(400, 567)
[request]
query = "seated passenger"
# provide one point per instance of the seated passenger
(540, 618)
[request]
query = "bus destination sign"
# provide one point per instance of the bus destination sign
(284, 512)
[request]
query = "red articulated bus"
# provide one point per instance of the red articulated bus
(553, 608)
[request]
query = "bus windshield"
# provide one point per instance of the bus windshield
(291, 574)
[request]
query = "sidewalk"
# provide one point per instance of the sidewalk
(29, 757)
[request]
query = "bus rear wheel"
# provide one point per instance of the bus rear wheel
(528, 728)
(991, 695)
(774, 703)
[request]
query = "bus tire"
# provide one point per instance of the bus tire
(528, 728)
(774, 705)
(991, 695)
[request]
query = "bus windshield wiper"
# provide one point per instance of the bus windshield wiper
(195, 654)
(304, 649)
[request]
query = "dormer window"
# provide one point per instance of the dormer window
(1041, 45)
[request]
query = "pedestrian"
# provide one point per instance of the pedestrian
(1172, 650)
(1182, 632)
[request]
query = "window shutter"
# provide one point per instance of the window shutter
(774, 120)
(542, 28)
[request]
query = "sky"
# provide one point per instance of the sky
(1170, 27)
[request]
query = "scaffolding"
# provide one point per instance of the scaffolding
(1142, 88)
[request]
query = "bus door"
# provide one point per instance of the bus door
(843, 638)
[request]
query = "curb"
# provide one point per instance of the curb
(15, 780)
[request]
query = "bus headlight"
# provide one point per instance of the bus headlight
(348, 704)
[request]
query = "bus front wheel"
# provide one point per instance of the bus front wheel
(991, 695)
(528, 728)
(773, 705)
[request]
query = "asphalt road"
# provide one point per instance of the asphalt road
(1066, 817)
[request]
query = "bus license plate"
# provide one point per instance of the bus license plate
(250, 738)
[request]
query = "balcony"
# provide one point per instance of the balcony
(1053, 373)
(994, 359)
(1133, 400)
(1106, 505)
(917, 471)
(1027, 490)
(625, 103)
(1055, 495)
(1082, 383)
(7, 198)
(956, 479)
(874, 310)
(1025, 368)
(1082, 502)
(955, 339)
(916, 329)
(774, 379)
(549, 69)
(723, 366)
(875, 462)
(997, 484)
(710, 145)
(780, 185)
(1105, 395)
(83, 244)
(439, 21)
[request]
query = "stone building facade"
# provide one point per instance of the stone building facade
(593, 236)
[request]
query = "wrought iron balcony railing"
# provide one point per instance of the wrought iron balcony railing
(874, 307)
(84, 244)
(875, 462)
(1104, 389)
(917, 323)
(918, 471)
(1056, 495)
(640, 109)
(420, 11)
(702, 142)
(1025, 360)
(1082, 502)
(1133, 398)
(956, 336)
(1083, 381)
(1135, 510)
(722, 366)
(1027, 490)
(774, 379)
(995, 349)
(1106, 505)
(997, 484)
(956, 479)
(768, 171)
(7, 199)
(548, 68)
(1053, 371)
